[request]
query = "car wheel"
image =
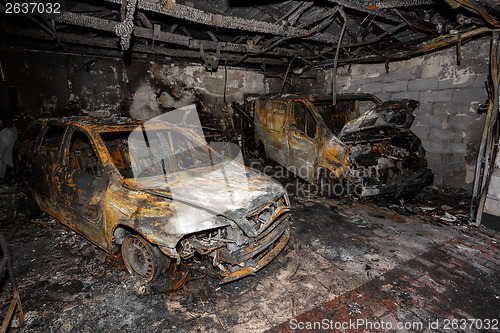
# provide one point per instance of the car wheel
(143, 260)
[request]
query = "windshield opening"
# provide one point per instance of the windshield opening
(156, 152)
(338, 115)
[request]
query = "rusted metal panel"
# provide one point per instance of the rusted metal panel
(293, 147)
(85, 184)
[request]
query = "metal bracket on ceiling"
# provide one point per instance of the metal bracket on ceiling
(211, 63)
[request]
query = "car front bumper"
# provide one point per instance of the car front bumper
(275, 246)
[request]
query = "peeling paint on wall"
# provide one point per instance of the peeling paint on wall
(172, 86)
(200, 82)
(144, 103)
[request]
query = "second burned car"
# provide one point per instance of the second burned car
(157, 190)
(339, 150)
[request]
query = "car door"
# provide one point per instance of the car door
(39, 164)
(270, 128)
(302, 141)
(276, 125)
(82, 185)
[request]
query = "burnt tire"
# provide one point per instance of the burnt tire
(142, 259)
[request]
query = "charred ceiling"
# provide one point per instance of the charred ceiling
(292, 34)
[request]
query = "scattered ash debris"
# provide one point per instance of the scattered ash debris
(434, 205)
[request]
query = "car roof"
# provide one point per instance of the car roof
(101, 125)
(112, 124)
(91, 123)
(317, 97)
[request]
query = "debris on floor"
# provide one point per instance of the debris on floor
(433, 205)
(337, 248)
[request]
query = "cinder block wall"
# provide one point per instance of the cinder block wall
(447, 120)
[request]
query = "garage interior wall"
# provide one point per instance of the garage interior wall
(448, 120)
(54, 84)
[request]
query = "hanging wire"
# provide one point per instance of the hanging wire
(335, 62)
(286, 74)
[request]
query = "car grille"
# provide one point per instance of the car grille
(265, 219)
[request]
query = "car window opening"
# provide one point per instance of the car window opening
(52, 141)
(82, 155)
(336, 116)
(304, 120)
(161, 152)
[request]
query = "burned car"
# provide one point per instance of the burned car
(338, 149)
(108, 181)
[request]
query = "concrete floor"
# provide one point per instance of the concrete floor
(345, 261)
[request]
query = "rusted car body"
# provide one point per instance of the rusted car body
(375, 152)
(79, 170)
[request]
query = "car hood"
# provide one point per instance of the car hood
(390, 114)
(201, 194)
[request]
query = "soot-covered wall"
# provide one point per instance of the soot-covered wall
(53, 84)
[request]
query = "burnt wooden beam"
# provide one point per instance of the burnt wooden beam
(96, 23)
(312, 21)
(173, 27)
(199, 16)
(212, 36)
(293, 18)
(291, 11)
(142, 17)
(381, 8)
(416, 50)
(271, 11)
(186, 32)
(378, 37)
(112, 43)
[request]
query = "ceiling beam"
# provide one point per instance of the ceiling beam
(112, 43)
(416, 50)
(199, 16)
(167, 37)
(293, 18)
(97, 23)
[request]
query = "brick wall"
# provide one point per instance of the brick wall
(447, 120)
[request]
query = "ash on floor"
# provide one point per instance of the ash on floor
(69, 285)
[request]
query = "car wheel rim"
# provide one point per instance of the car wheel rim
(138, 257)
